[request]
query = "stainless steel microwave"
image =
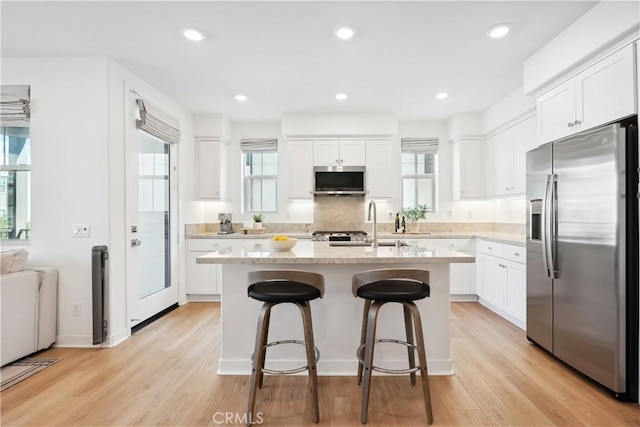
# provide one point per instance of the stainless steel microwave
(339, 181)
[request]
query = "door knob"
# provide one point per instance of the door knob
(135, 242)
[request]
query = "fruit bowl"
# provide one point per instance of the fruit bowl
(282, 245)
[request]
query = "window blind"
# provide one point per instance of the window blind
(420, 145)
(15, 105)
(257, 145)
(156, 122)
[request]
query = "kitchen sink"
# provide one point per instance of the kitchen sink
(360, 243)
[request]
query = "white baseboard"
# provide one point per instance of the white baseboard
(463, 298)
(86, 341)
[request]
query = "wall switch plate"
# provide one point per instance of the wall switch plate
(81, 230)
(77, 309)
(390, 214)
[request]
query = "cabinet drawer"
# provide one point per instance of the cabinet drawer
(491, 248)
(515, 254)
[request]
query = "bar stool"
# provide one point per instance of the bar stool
(378, 287)
(284, 286)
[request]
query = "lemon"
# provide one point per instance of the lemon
(283, 238)
(276, 237)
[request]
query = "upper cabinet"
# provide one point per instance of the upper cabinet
(211, 169)
(468, 169)
(600, 94)
(300, 169)
(506, 158)
(378, 183)
(339, 153)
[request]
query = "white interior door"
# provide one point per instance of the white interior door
(151, 225)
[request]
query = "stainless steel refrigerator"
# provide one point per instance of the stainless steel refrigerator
(582, 253)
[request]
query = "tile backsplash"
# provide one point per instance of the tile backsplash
(348, 213)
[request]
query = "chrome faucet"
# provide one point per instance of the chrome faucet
(374, 243)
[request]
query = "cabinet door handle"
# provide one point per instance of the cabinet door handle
(577, 122)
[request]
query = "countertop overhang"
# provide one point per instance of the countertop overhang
(309, 252)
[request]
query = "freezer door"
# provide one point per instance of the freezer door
(587, 290)
(539, 283)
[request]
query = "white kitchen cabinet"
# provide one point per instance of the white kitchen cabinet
(339, 153)
(516, 291)
(506, 153)
(462, 277)
(300, 169)
(202, 279)
(378, 183)
(211, 169)
(501, 280)
(494, 280)
(468, 169)
(602, 93)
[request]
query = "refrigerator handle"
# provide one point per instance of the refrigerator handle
(553, 227)
(545, 226)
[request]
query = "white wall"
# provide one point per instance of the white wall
(77, 140)
(600, 28)
(70, 170)
(508, 109)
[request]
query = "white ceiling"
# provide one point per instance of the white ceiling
(284, 57)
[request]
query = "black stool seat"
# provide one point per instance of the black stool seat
(283, 291)
(394, 290)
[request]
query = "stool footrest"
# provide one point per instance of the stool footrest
(386, 370)
(287, 371)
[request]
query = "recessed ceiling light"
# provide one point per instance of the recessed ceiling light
(499, 30)
(240, 97)
(442, 95)
(344, 33)
(341, 96)
(192, 34)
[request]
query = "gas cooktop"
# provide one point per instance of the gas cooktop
(338, 236)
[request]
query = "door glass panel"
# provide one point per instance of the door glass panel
(153, 215)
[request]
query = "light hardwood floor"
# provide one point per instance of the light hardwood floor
(166, 375)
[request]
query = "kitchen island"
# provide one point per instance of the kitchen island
(337, 316)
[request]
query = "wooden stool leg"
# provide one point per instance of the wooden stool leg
(409, 330)
(363, 335)
(265, 341)
(423, 359)
(368, 357)
(258, 359)
(305, 308)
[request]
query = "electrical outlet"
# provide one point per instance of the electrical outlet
(76, 309)
(449, 213)
(81, 230)
(390, 214)
(469, 214)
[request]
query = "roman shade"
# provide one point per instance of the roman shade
(15, 105)
(420, 145)
(258, 145)
(156, 122)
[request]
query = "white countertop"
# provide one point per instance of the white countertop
(511, 239)
(308, 252)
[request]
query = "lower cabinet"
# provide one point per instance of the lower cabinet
(501, 280)
(462, 277)
(202, 279)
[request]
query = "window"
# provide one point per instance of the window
(420, 173)
(260, 174)
(15, 183)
